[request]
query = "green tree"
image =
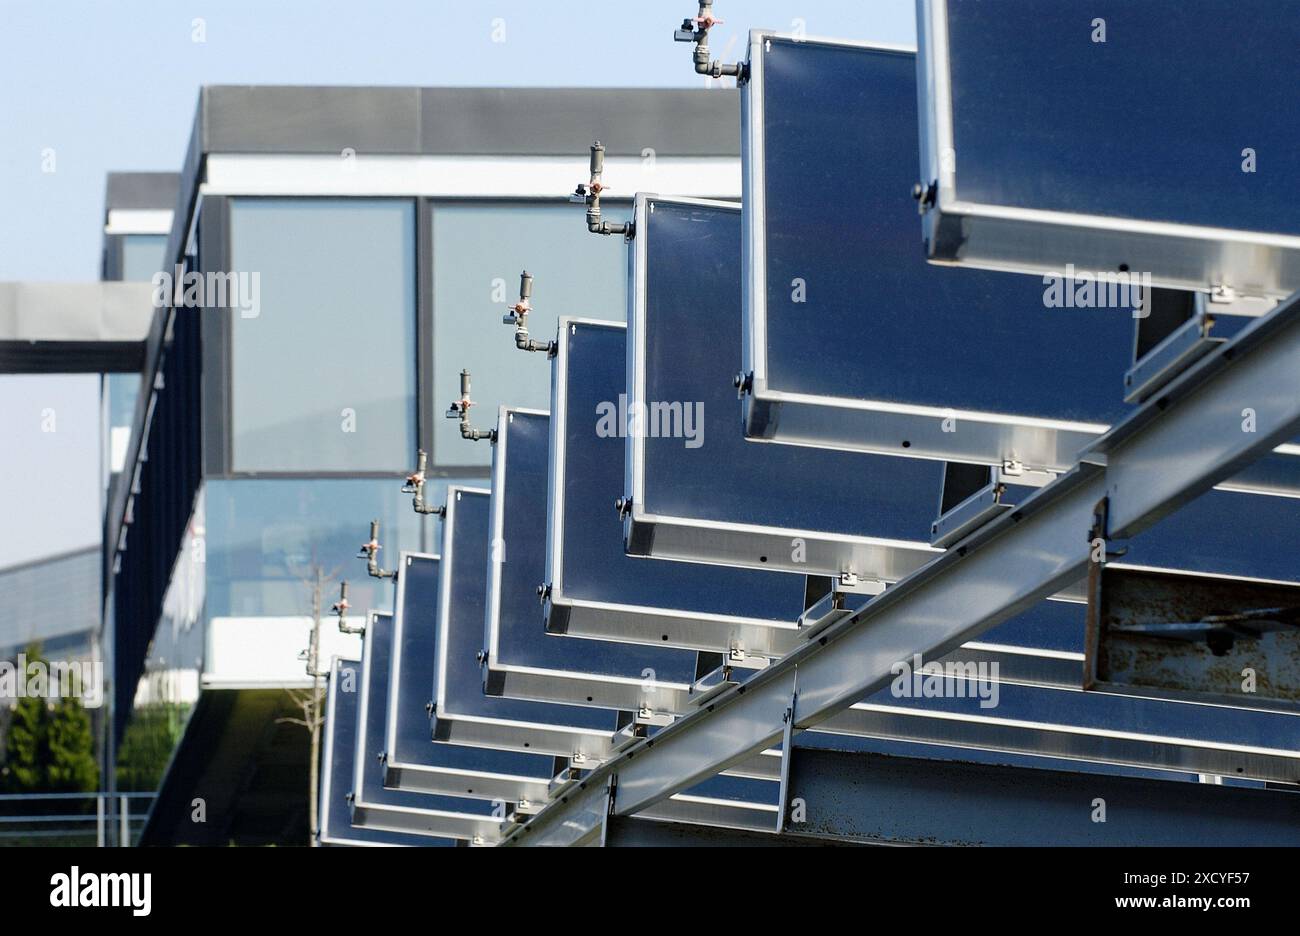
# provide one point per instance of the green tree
(72, 765)
(50, 748)
(147, 745)
(25, 747)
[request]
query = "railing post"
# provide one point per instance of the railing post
(101, 829)
(124, 833)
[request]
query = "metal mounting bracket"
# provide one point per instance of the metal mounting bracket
(787, 756)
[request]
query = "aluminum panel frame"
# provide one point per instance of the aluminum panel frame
(338, 753)
(462, 713)
(1192, 429)
(683, 623)
(1038, 241)
(413, 761)
(752, 545)
(509, 724)
(774, 411)
(376, 807)
(636, 678)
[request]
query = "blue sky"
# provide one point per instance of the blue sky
(113, 86)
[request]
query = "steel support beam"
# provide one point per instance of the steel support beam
(1080, 742)
(480, 829)
(448, 781)
(64, 328)
(638, 832)
(904, 800)
(1229, 409)
(578, 818)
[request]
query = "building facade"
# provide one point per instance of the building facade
(342, 254)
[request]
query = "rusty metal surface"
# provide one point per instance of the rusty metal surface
(1246, 671)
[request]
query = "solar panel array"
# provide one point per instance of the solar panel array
(816, 394)
(1177, 164)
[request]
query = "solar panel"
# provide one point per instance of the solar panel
(1203, 539)
(874, 349)
(725, 801)
(724, 500)
(1027, 714)
(1044, 648)
(1225, 533)
(593, 588)
(338, 757)
(465, 714)
(413, 761)
(511, 432)
(1053, 727)
(374, 806)
(1203, 536)
(524, 661)
(1048, 640)
(1106, 158)
(1074, 724)
(826, 741)
(462, 711)
(1030, 646)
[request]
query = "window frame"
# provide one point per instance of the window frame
(430, 208)
(219, 429)
(214, 226)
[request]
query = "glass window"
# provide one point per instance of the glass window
(122, 390)
(265, 537)
(142, 256)
(323, 357)
(478, 253)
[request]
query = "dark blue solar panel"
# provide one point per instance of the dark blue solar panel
(1221, 532)
(878, 322)
(462, 691)
(1225, 532)
(739, 790)
(469, 557)
(1048, 625)
(693, 337)
(338, 766)
(595, 566)
(368, 784)
(1205, 536)
(814, 740)
(522, 639)
(1150, 124)
(409, 739)
(1102, 711)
